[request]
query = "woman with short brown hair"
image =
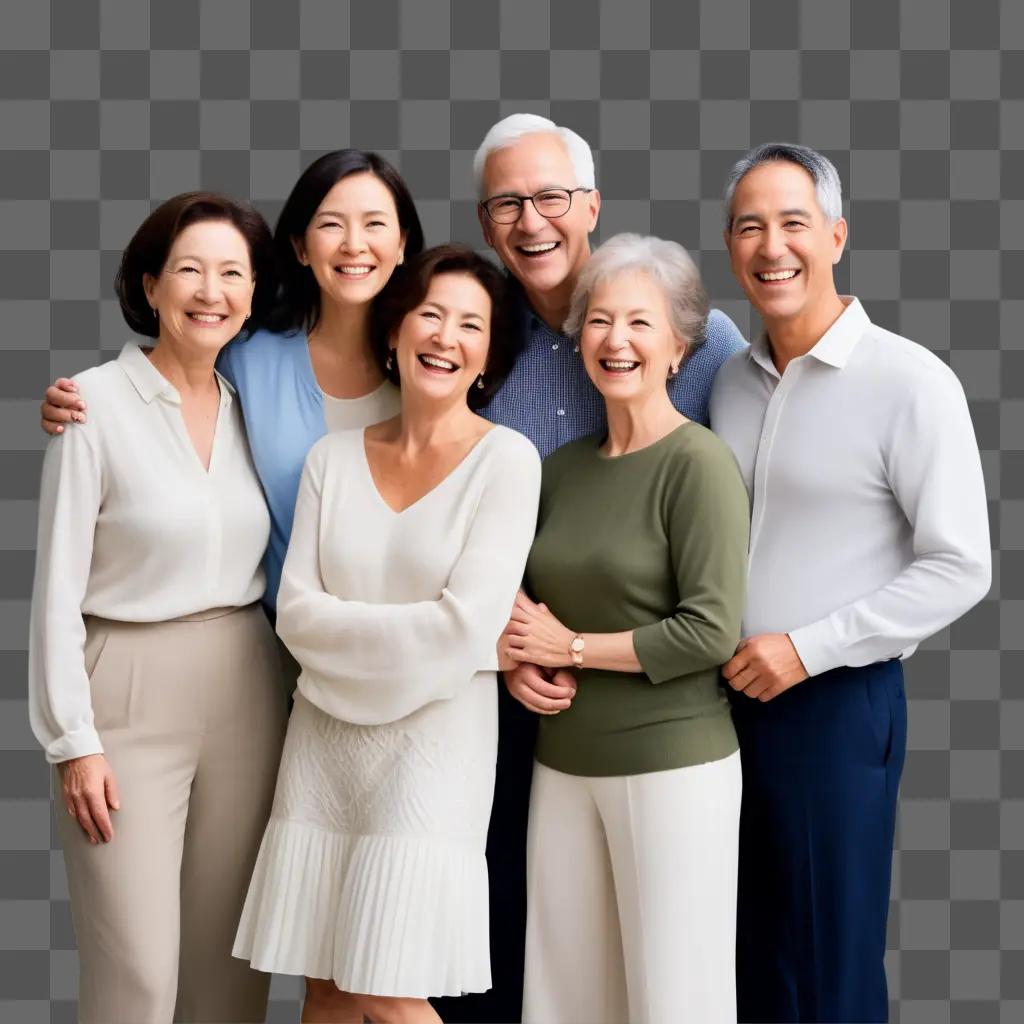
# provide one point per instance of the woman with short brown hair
(408, 545)
(154, 683)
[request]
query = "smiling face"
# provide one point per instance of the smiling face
(441, 345)
(354, 241)
(204, 291)
(781, 245)
(627, 342)
(543, 255)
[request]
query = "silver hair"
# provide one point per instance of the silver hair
(827, 186)
(668, 264)
(512, 128)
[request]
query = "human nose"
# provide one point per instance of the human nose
(773, 244)
(354, 240)
(210, 289)
(618, 335)
(443, 336)
(529, 219)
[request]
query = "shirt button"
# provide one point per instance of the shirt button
(561, 412)
(554, 346)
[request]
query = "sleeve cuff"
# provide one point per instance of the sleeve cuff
(79, 743)
(818, 646)
(646, 647)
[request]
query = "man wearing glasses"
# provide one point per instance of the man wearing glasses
(538, 206)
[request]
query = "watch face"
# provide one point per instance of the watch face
(577, 644)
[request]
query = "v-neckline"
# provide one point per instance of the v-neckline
(222, 393)
(426, 494)
(207, 470)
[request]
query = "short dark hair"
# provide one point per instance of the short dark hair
(828, 189)
(147, 251)
(408, 287)
(298, 301)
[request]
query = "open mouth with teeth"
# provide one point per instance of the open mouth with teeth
(776, 276)
(354, 270)
(537, 249)
(435, 364)
(207, 319)
(620, 367)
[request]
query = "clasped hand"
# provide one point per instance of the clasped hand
(534, 635)
(532, 649)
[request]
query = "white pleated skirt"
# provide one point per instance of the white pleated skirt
(372, 870)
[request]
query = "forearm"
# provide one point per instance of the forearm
(925, 598)
(612, 652)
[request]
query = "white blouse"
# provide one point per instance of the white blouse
(387, 611)
(133, 528)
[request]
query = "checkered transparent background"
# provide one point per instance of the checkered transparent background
(108, 106)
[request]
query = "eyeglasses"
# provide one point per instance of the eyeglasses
(549, 202)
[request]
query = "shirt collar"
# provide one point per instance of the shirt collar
(150, 382)
(834, 347)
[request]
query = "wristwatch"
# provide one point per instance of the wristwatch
(576, 651)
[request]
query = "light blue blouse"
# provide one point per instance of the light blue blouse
(283, 408)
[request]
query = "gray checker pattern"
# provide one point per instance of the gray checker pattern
(107, 106)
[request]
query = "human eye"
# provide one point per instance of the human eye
(551, 197)
(429, 314)
(505, 203)
(471, 325)
(188, 268)
(748, 229)
(598, 320)
(640, 321)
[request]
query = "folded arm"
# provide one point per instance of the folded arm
(380, 662)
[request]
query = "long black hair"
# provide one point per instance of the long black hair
(298, 301)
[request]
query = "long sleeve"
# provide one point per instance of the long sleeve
(934, 471)
(60, 705)
(707, 521)
(371, 663)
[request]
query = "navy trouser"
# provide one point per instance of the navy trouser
(821, 770)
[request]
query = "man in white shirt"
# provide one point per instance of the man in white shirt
(869, 533)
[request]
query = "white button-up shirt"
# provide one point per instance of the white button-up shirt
(869, 525)
(132, 527)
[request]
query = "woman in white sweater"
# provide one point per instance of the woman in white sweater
(408, 546)
(153, 682)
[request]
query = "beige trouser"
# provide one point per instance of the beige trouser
(191, 714)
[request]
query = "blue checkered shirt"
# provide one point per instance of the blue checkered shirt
(549, 397)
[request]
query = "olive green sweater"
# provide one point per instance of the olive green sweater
(654, 541)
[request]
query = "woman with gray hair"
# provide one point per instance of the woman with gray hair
(635, 580)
